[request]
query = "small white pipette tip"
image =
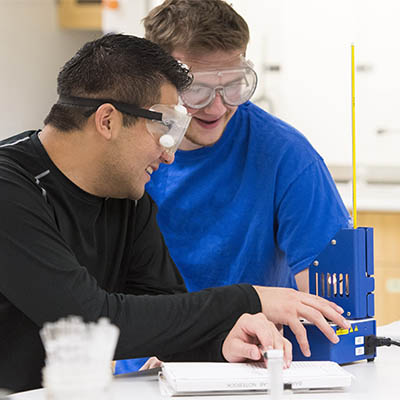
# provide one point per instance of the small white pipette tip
(275, 369)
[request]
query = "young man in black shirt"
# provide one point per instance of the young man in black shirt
(78, 234)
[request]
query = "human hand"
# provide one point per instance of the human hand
(286, 306)
(251, 336)
(152, 362)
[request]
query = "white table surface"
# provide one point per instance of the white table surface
(372, 380)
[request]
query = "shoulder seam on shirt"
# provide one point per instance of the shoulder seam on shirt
(16, 142)
(28, 175)
(313, 162)
(41, 175)
(37, 181)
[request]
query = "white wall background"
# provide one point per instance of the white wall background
(308, 39)
(32, 50)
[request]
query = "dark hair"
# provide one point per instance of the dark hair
(196, 26)
(120, 67)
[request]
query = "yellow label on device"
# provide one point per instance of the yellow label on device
(340, 331)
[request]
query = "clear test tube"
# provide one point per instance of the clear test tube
(275, 369)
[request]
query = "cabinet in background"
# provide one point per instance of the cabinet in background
(106, 15)
(387, 263)
(80, 14)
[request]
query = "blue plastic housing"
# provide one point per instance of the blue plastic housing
(349, 349)
(343, 272)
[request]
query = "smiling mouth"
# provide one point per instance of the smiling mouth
(149, 170)
(207, 122)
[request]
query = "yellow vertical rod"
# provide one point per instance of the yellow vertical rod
(353, 126)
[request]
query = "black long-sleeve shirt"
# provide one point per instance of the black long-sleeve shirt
(66, 252)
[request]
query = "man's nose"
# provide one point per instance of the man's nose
(217, 105)
(167, 157)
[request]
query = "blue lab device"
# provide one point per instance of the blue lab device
(343, 273)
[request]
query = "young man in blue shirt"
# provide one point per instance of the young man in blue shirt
(247, 199)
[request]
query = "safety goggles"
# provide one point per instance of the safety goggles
(236, 85)
(166, 123)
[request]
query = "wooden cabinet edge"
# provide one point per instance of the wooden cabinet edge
(72, 15)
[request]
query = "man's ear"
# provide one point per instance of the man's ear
(106, 119)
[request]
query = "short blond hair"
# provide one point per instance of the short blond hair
(196, 26)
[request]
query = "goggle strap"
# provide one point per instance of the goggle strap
(120, 106)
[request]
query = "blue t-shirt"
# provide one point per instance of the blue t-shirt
(256, 207)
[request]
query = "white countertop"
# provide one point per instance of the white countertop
(372, 381)
(377, 189)
(371, 196)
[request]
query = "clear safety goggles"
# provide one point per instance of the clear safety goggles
(236, 85)
(166, 123)
(171, 129)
